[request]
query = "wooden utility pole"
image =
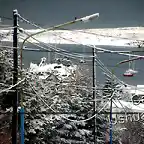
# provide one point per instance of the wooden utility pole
(15, 78)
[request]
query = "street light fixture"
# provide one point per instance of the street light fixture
(90, 17)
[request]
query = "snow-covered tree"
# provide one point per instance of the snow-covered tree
(5, 77)
(5, 97)
(56, 109)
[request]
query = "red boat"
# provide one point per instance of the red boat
(128, 74)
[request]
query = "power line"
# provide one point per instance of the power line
(97, 48)
(59, 113)
(83, 31)
(63, 37)
(82, 120)
(72, 57)
(5, 17)
(89, 46)
(53, 51)
(27, 21)
(66, 51)
(7, 89)
(68, 118)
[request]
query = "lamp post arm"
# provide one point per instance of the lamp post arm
(133, 59)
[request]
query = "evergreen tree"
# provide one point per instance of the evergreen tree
(63, 96)
(5, 77)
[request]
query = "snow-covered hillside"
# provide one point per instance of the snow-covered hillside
(114, 37)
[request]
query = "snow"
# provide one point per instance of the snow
(121, 104)
(112, 37)
(84, 131)
(32, 131)
(131, 71)
(67, 126)
(137, 90)
(140, 86)
(44, 69)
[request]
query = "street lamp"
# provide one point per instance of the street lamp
(83, 19)
(117, 65)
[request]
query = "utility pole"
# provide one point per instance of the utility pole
(111, 102)
(94, 94)
(15, 78)
(111, 121)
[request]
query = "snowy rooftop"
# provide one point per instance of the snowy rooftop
(44, 68)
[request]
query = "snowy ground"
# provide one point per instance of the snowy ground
(114, 36)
